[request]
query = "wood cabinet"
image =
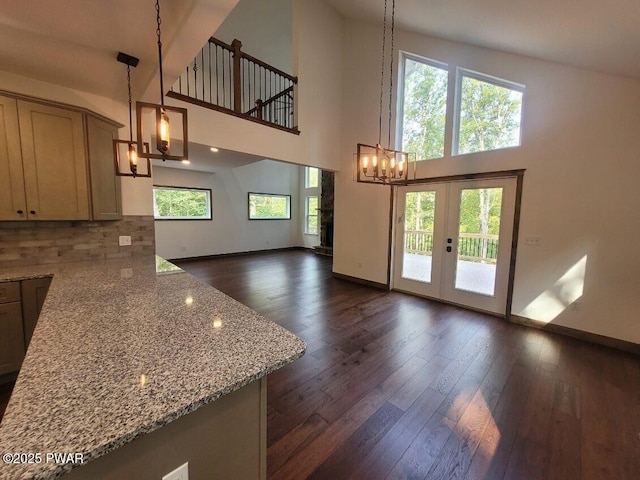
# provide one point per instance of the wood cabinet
(33, 293)
(20, 306)
(106, 199)
(56, 163)
(12, 348)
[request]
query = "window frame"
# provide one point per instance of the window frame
(179, 219)
(307, 215)
(457, 107)
(403, 57)
(284, 195)
(306, 177)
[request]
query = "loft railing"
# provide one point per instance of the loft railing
(475, 247)
(224, 78)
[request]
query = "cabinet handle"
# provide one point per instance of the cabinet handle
(32, 212)
(20, 212)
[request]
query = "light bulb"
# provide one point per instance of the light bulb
(374, 161)
(164, 136)
(133, 158)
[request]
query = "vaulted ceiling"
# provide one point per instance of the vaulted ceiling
(74, 42)
(594, 34)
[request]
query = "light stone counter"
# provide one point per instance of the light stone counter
(120, 351)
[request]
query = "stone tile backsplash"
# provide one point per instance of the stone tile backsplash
(34, 243)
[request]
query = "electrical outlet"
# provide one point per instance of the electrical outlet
(533, 240)
(180, 473)
(124, 240)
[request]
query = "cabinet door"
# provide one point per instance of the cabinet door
(33, 294)
(12, 200)
(105, 185)
(54, 162)
(11, 338)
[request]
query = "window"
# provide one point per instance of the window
(267, 206)
(424, 107)
(311, 216)
(179, 203)
(311, 176)
(489, 112)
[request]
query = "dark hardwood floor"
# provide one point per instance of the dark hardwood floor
(394, 386)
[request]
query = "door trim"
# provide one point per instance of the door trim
(517, 174)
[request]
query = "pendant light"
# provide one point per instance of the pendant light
(162, 116)
(378, 164)
(131, 145)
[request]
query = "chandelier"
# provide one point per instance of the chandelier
(378, 164)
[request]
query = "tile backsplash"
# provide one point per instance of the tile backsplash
(33, 243)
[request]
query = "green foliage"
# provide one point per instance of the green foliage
(489, 116)
(419, 211)
(480, 210)
(181, 203)
(268, 206)
(425, 105)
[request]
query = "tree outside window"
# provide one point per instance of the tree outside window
(311, 222)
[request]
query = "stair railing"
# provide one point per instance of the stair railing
(222, 77)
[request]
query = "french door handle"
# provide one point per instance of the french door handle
(449, 240)
(448, 248)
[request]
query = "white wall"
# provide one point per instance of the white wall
(265, 28)
(230, 231)
(580, 148)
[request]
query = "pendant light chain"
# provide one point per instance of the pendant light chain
(393, 24)
(158, 32)
(384, 46)
(130, 114)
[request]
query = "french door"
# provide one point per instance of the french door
(453, 241)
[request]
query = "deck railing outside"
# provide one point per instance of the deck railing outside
(474, 247)
(222, 77)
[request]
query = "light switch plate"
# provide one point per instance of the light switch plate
(180, 473)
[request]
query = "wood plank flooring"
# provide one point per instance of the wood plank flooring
(398, 387)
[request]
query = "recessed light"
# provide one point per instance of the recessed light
(214, 149)
(186, 162)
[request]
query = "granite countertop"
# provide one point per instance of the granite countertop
(121, 350)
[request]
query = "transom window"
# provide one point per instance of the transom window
(180, 203)
(311, 177)
(488, 115)
(268, 206)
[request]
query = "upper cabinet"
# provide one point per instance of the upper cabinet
(56, 163)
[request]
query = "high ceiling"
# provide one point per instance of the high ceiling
(594, 34)
(74, 42)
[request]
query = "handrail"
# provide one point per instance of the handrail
(269, 100)
(223, 77)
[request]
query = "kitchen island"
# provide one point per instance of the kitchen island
(136, 367)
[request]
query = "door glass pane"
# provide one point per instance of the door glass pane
(478, 240)
(419, 212)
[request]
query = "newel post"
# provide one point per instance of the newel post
(237, 77)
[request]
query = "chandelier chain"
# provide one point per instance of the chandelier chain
(158, 33)
(384, 46)
(130, 115)
(393, 24)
